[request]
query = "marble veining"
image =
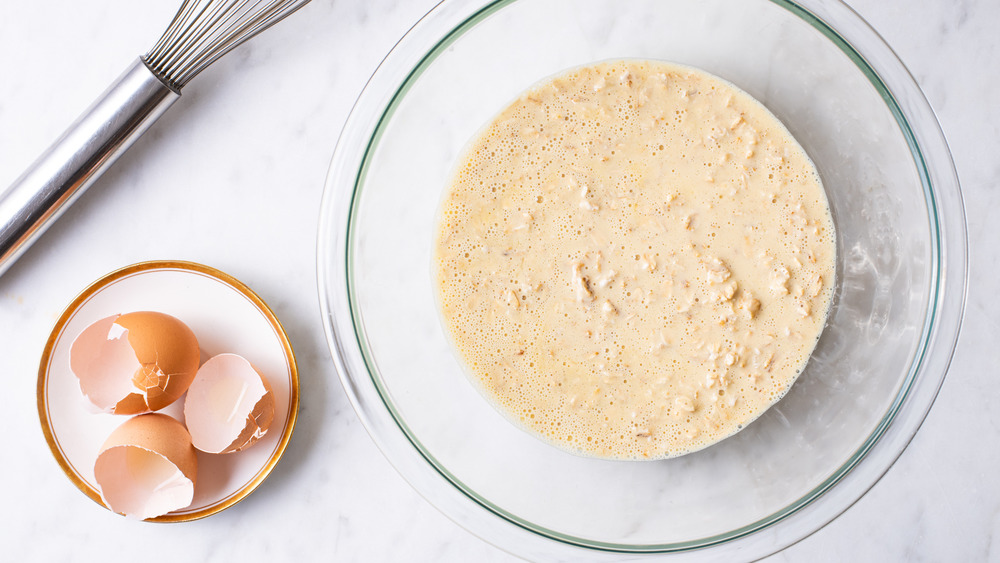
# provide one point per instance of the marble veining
(232, 177)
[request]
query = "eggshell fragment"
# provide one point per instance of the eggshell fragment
(136, 362)
(147, 467)
(229, 406)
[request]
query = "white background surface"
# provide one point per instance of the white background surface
(232, 177)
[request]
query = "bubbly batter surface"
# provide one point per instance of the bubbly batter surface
(634, 260)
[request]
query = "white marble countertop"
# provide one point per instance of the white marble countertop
(232, 177)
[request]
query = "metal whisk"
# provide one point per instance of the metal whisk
(200, 33)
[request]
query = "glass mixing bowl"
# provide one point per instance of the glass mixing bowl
(901, 277)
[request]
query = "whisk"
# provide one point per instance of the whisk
(200, 33)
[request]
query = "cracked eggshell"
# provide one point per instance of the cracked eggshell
(229, 406)
(136, 362)
(147, 467)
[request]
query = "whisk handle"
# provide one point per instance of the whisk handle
(88, 148)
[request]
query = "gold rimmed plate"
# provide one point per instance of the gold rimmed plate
(226, 316)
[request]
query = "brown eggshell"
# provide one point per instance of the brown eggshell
(136, 362)
(147, 467)
(229, 406)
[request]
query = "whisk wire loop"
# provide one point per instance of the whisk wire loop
(200, 32)
(204, 30)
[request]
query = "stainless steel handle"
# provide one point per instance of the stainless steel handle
(88, 148)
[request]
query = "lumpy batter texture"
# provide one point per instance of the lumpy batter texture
(634, 260)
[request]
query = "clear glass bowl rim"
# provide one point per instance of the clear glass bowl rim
(949, 263)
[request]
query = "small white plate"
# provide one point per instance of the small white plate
(226, 316)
